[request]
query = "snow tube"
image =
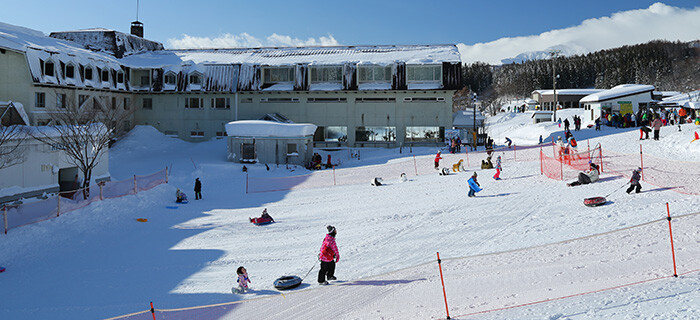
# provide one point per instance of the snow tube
(594, 202)
(261, 221)
(287, 282)
(2, 269)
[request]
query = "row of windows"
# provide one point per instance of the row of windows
(68, 70)
(362, 134)
(61, 101)
(225, 103)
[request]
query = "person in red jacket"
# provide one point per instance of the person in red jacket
(437, 160)
(329, 256)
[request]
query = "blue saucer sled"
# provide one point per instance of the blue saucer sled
(287, 282)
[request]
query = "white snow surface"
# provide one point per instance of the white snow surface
(263, 128)
(617, 91)
(523, 239)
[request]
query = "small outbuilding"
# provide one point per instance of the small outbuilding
(622, 99)
(262, 141)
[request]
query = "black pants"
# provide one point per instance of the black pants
(633, 186)
(656, 134)
(582, 179)
(327, 271)
(197, 195)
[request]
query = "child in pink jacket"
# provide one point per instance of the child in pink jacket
(329, 256)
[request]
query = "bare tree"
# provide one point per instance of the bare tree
(84, 132)
(12, 136)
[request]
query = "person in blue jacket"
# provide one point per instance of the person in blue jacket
(474, 186)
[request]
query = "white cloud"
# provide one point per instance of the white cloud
(659, 21)
(245, 40)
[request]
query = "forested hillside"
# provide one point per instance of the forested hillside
(666, 65)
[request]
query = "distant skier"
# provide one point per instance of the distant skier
(437, 160)
(634, 181)
(540, 139)
(474, 186)
(243, 280)
(497, 176)
(329, 256)
(197, 189)
(589, 176)
(509, 142)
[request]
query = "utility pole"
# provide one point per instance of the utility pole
(554, 54)
(474, 105)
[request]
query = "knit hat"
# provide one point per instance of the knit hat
(474, 175)
(331, 229)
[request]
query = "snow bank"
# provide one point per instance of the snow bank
(262, 128)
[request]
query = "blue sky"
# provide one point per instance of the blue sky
(275, 22)
(355, 22)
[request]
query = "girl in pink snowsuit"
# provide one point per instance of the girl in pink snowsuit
(497, 176)
(242, 279)
(329, 256)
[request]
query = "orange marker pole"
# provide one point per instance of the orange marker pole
(670, 231)
(443, 285)
(641, 160)
(153, 312)
(415, 167)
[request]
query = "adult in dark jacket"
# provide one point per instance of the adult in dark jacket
(634, 181)
(197, 189)
(328, 256)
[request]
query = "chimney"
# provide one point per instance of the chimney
(137, 28)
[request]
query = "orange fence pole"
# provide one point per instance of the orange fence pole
(333, 175)
(561, 167)
(673, 251)
(641, 160)
(601, 159)
(541, 167)
(415, 166)
(153, 312)
(443, 285)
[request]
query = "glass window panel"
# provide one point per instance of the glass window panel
(422, 133)
(339, 134)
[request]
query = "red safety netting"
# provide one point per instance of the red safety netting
(32, 212)
(565, 163)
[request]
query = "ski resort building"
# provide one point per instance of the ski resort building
(356, 95)
(566, 98)
(264, 141)
(622, 99)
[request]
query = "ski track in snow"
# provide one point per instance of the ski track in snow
(508, 246)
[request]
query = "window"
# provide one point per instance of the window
(48, 68)
(279, 100)
(145, 81)
(61, 100)
(126, 125)
(70, 71)
(246, 100)
(291, 148)
(424, 73)
(382, 134)
(326, 100)
(170, 78)
(422, 133)
(114, 103)
(374, 73)
(127, 103)
(40, 99)
(221, 134)
(81, 99)
(248, 151)
(105, 75)
(326, 74)
(88, 73)
(221, 103)
(197, 134)
(120, 77)
(171, 133)
(147, 103)
(331, 134)
(194, 103)
(374, 100)
(196, 79)
(278, 75)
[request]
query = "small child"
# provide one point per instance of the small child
(473, 186)
(634, 181)
(242, 280)
(497, 176)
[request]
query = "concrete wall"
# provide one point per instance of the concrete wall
(170, 115)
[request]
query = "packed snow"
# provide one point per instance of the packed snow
(524, 248)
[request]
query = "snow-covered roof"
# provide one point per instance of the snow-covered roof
(583, 92)
(380, 55)
(465, 118)
(18, 107)
(617, 91)
(263, 128)
(688, 100)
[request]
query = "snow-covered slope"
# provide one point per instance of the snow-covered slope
(515, 243)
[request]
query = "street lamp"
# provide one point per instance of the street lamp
(474, 105)
(554, 54)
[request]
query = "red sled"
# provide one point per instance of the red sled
(595, 201)
(261, 221)
(2, 269)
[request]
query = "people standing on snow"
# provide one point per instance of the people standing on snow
(644, 130)
(597, 124)
(497, 176)
(559, 122)
(540, 139)
(566, 124)
(243, 279)
(586, 177)
(474, 186)
(329, 256)
(437, 160)
(197, 189)
(634, 181)
(656, 124)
